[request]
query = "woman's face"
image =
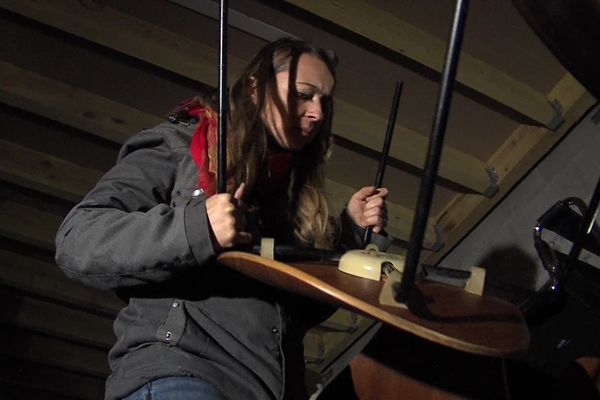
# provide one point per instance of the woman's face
(294, 112)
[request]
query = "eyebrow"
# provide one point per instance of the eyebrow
(318, 89)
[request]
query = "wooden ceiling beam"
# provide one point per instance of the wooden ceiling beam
(28, 225)
(54, 352)
(410, 147)
(57, 177)
(44, 279)
(519, 153)
(197, 61)
(69, 105)
(55, 320)
(426, 49)
(47, 174)
(51, 175)
(25, 377)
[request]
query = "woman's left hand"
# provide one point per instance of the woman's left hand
(367, 208)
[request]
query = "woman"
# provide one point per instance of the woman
(153, 224)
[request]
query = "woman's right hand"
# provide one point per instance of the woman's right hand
(226, 216)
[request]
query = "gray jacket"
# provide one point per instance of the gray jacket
(143, 231)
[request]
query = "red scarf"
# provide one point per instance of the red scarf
(203, 149)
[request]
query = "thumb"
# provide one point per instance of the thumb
(381, 192)
(364, 193)
(239, 192)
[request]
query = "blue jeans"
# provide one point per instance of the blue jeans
(176, 388)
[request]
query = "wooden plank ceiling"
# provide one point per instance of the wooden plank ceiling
(78, 77)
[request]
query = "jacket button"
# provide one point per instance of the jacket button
(275, 331)
(175, 304)
(168, 335)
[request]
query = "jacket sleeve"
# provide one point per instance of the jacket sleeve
(124, 232)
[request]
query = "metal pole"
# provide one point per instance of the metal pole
(587, 224)
(386, 149)
(223, 100)
(434, 151)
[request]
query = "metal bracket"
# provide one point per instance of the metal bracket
(558, 117)
(492, 189)
(439, 242)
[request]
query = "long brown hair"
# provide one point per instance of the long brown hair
(248, 141)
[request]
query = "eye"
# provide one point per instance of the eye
(305, 96)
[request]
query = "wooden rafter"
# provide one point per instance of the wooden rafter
(54, 352)
(197, 61)
(45, 173)
(28, 225)
(409, 146)
(56, 320)
(512, 160)
(426, 49)
(69, 105)
(35, 93)
(45, 280)
(32, 381)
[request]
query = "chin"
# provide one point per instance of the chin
(296, 146)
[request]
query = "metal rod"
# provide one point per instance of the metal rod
(587, 224)
(434, 151)
(386, 149)
(223, 100)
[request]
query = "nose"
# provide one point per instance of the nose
(314, 110)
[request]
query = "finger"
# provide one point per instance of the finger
(243, 238)
(364, 193)
(373, 212)
(239, 192)
(372, 219)
(377, 222)
(383, 192)
(379, 193)
(221, 201)
(378, 228)
(375, 202)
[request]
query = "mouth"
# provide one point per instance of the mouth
(307, 131)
